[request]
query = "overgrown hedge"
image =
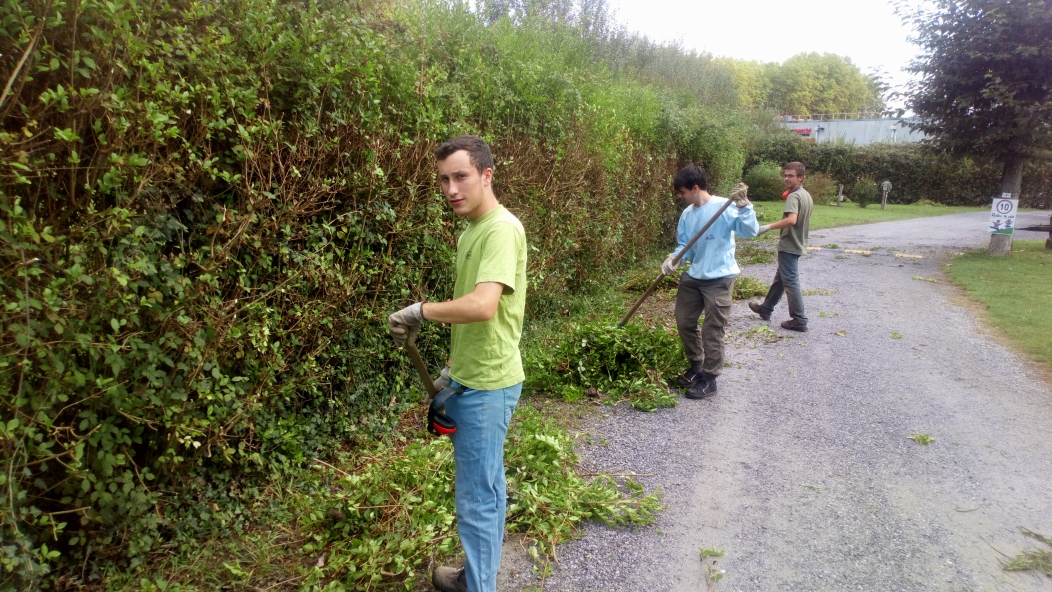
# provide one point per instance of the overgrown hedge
(209, 208)
(916, 171)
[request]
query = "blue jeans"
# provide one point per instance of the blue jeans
(787, 281)
(481, 491)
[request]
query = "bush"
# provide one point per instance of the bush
(765, 181)
(821, 186)
(864, 192)
(915, 170)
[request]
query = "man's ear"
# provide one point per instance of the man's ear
(487, 177)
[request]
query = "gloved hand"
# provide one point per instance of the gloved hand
(740, 195)
(670, 265)
(443, 379)
(763, 229)
(405, 321)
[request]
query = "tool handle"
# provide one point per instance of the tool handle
(678, 258)
(421, 367)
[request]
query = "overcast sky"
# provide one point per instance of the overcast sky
(867, 31)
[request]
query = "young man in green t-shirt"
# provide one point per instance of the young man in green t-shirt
(794, 225)
(489, 299)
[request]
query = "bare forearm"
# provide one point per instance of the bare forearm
(475, 307)
(787, 222)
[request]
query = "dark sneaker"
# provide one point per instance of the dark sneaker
(794, 325)
(706, 387)
(449, 579)
(756, 308)
(688, 378)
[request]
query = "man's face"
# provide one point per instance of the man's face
(791, 179)
(462, 184)
(687, 194)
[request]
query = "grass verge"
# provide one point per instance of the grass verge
(824, 216)
(1017, 292)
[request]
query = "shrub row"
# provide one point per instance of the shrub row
(916, 171)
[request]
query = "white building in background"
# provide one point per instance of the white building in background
(856, 131)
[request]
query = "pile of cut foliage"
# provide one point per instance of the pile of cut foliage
(603, 361)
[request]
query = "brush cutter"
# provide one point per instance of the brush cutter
(678, 258)
(438, 423)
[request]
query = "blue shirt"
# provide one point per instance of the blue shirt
(712, 256)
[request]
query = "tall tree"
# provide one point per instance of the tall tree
(986, 83)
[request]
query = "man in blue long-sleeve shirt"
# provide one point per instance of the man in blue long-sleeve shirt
(707, 284)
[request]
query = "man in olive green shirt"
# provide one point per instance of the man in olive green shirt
(486, 313)
(796, 218)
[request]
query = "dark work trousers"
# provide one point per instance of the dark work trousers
(703, 347)
(787, 281)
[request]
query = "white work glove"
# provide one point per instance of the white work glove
(763, 229)
(740, 195)
(405, 322)
(443, 379)
(670, 265)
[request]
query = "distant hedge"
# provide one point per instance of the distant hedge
(916, 171)
(209, 209)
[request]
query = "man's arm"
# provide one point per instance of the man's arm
(789, 220)
(745, 224)
(474, 307)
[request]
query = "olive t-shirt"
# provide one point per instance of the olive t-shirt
(794, 238)
(485, 355)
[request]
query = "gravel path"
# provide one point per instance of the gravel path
(801, 469)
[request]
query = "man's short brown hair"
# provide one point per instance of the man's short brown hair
(478, 151)
(796, 167)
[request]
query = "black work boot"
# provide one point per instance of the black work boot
(758, 309)
(705, 387)
(449, 579)
(794, 325)
(688, 378)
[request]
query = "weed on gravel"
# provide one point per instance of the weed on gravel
(1034, 559)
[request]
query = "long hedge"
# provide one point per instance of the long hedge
(916, 171)
(208, 209)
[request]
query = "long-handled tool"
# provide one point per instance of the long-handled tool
(421, 367)
(678, 258)
(438, 423)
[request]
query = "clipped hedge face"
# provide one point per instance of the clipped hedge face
(209, 209)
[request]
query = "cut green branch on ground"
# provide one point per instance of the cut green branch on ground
(1034, 559)
(924, 439)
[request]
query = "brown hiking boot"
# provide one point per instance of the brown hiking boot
(449, 579)
(794, 325)
(756, 308)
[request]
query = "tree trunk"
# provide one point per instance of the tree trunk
(1011, 182)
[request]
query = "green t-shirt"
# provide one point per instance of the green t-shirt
(485, 355)
(794, 238)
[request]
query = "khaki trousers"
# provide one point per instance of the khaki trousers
(703, 347)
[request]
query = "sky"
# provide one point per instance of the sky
(867, 31)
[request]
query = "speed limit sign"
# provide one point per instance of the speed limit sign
(1002, 214)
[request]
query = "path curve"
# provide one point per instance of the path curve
(801, 471)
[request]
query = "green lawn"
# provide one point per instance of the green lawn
(1016, 290)
(825, 216)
